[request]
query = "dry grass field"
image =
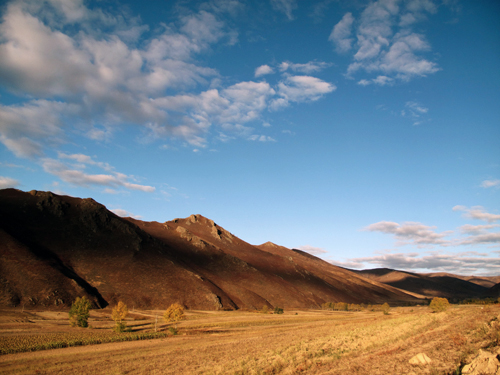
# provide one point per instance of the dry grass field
(237, 342)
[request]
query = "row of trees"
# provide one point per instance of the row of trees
(343, 306)
(437, 304)
(80, 312)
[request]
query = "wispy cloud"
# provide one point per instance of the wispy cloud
(7, 182)
(385, 43)
(477, 213)
(261, 138)
(307, 68)
(124, 213)
(490, 184)
(312, 249)
(410, 232)
(415, 111)
(341, 34)
(423, 235)
(74, 174)
(285, 6)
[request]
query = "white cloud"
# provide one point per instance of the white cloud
(461, 263)
(478, 213)
(301, 89)
(482, 238)
(93, 76)
(342, 32)
(24, 129)
(85, 70)
(490, 183)
(7, 182)
(124, 213)
(477, 229)
(415, 111)
(480, 234)
(285, 6)
(410, 232)
(263, 70)
(307, 68)
(261, 138)
(416, 108)
(75, 175)
(312, 250)
(383, 45)
(379, 80)
(420, 235)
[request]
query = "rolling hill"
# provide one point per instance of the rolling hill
(432, 285)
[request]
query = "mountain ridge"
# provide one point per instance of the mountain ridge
(54, 248)
(72, 246)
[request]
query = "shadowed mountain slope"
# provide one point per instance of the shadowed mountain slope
(431, 285)
(54, 248)
(495, 290)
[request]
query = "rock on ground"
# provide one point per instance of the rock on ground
(485, 363)
(420, 359)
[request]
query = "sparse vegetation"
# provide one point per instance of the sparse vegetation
(247, 343)
(79, 312)
(439, 304)
(119, 314)
(31, 343)
(480, 301)
(264, 310)
(278, 310)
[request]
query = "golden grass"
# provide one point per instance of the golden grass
(312, 342)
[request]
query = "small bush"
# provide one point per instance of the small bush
(79, 312)
(439, 304)
(385, 308)
(278, 310)
(174, 313)
(264, 309)
(173, 331)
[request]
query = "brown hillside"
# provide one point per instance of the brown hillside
(486, 281)
(431, 285)
(54, 248)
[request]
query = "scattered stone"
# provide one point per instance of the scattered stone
(420, 359)
(484, 364)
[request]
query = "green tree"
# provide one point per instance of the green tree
(174, 313)
(278, 310)
(385, 308)
(439, 304)
(119, 314)
(79, 312)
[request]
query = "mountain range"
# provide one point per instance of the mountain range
(54, 248)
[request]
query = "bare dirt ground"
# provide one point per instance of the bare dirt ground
(308, 342)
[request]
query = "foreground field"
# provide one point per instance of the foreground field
(312, 342)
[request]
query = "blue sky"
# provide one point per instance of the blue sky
(364, 132)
